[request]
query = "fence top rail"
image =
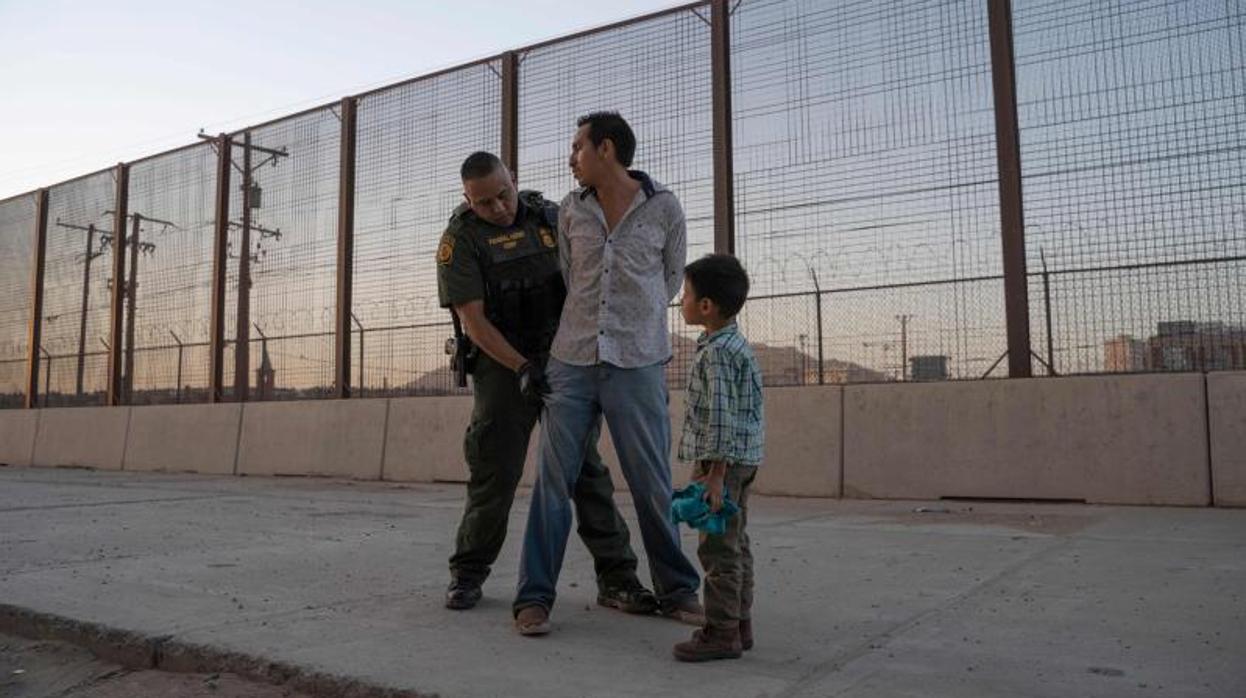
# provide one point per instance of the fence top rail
(79, 178)
(284, 117)
(614, 25)
(15, 197)
(440, 72)
(171, 151)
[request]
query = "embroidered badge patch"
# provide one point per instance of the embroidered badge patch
(445, 250)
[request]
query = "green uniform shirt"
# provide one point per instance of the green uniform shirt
(475, 255)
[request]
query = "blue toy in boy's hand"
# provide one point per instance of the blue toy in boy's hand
(689, 506)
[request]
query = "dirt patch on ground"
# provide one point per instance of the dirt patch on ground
(42, 669)
(1050, 523)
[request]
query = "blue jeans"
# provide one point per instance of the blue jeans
(634, 404)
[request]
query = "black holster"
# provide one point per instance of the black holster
(462, 352)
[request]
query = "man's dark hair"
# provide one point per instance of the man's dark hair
(479, 164)
(608, 124)
(720, 278)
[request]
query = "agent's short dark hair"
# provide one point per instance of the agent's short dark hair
(608, 124)
(479, 164)
(720, 278)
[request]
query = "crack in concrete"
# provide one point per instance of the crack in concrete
(880, 640)
(119, 502)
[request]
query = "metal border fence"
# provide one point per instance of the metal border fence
(921, 190)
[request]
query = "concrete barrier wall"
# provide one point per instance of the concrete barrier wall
(1110, 439)
(424, 441)
(183, 438)
(802, 444)
(337, 438)
(92, 437)
(1226, 403)
(17, 436)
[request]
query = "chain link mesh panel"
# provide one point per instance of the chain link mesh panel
(289, 249)
(411, 142)
(172, 207)
(1132, 117)
(77, 284)
(865, 159)
(656, 74)
(17, 240)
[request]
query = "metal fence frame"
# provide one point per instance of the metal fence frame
(716, 13)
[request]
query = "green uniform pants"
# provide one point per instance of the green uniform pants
(495, 446)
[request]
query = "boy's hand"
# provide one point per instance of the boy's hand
(713, 481)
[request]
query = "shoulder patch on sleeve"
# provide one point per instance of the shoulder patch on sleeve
(445, 249)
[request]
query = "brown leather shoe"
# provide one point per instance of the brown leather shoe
(746, 634)
(532, 620)
(687, 610)
(709, 643)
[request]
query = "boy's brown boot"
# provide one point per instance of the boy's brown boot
(746, 634)
(710, 643)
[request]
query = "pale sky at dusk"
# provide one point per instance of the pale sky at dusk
(87, 85)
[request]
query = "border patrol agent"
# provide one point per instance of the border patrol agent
(498, 273)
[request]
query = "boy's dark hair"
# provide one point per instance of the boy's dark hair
(479, 164)
(720, 278)
(608, 124)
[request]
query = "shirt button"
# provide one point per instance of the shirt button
(601, 331)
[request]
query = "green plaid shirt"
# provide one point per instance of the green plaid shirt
(724, 419)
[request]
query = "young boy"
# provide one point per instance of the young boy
(723, 435)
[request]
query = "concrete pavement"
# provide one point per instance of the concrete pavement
(336, 587)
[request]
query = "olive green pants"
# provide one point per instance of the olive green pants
(728, 559)
(495, 447)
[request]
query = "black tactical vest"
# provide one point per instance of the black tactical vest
(524, 288)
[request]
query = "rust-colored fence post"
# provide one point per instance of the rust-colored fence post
(724, 172)
(510, 111)
(117, 300)
(242, 332)
(34, 331)
(1011, 212)
(345, 247)
(220, 259)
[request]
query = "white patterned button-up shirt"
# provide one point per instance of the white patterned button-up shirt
(619, 285)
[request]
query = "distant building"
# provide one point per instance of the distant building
(1198, 346)
(932, 367)
(1124, 354)
(1179, 345)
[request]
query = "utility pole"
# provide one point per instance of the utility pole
(242, 348)
(131, 290)
(131, 293)
(904, 346)
(362, 332)
(804, 358)
(817, 306)
(1051, 352)
(179, 365)
(90, 254)
(250, 192)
